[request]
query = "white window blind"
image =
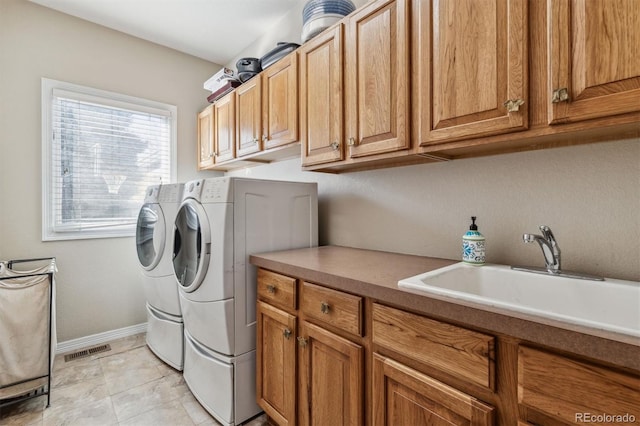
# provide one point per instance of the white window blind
(101, 151)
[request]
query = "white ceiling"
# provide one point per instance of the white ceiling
(215, 30)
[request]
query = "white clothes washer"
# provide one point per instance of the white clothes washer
(154, 245)
(221, 222)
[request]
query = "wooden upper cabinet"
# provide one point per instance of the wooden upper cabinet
(205, 138)
(471, 74)
(594, 59)
(377, 78)
(280, 102)
(225, 128)
(249, 117)
(322, 98)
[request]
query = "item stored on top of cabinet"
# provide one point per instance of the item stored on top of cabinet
(318, 15)
(218, 79)
(280, 51)
(227, 87)
(247, 68)
(473, 245)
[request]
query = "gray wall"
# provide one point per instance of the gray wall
(98, 280)
(589, 195)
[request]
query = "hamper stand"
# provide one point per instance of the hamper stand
(23, 374)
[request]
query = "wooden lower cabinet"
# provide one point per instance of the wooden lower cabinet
(329, 357)
(403, 396)
(276, 363)
(331, 378)
(575, 392)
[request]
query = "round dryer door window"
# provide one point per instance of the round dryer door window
(150, 235)
(191, 239)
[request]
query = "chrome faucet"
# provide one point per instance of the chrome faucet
(551, 252)
(549, 247)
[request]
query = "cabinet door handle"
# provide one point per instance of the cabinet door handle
(335, 146)
(324, 307)
(271, 288)
(302, 342)
(351, 142)
(560, 95)
(286, 333)
(264, 138)
(513, 105)
(255, 140)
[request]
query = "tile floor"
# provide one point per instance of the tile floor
(127, 385)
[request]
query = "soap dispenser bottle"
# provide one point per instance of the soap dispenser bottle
(473, 245)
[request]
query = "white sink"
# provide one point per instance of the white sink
(612, 305)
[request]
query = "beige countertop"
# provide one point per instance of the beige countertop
(375, 274)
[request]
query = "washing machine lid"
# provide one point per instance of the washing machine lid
(150, 235)
(191, 245)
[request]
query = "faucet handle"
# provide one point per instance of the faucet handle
(547, 234)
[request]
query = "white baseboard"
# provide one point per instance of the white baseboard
(97, 339)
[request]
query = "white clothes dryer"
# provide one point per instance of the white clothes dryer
(154, 245)
(221, 222)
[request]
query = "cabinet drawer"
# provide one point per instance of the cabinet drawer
(277, 289)
(333, 307)
(569, 390)
(455, 350)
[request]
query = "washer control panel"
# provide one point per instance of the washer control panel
(192, 189)
(217, 190)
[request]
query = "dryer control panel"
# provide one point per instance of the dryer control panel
(171, 193)
(151, 196)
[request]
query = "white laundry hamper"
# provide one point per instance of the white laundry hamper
(27, 330)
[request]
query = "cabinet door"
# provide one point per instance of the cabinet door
(205, 138)
(225, 128)
(471, 76)
(249, 117)
(331, 375)
(594, 62)
(276, 363)
(403, 396)
(573, 391)
(321, 98)
(280, 102)
(377, 78)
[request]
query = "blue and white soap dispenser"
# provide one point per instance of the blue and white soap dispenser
(473, 245)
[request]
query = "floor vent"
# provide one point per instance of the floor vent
(86, 352)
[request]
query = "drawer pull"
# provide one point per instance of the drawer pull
(271, 288)
(302, 341)
(324, 307)
(286, 333)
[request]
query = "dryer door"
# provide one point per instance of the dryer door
(150, 235)
(191, 245)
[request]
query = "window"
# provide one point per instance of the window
(100, 151)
